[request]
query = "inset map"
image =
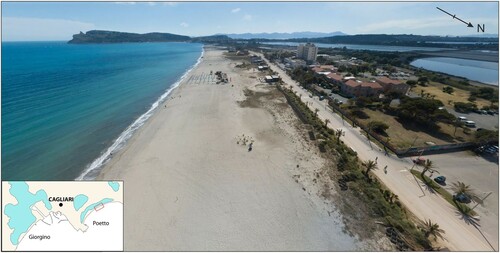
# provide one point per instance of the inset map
(62, 216)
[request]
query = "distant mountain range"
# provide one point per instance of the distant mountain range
(99, 36)
(276, 35)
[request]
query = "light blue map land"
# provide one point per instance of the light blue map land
(90, 207)
(20, 216)
(114, 185)
(79, 201)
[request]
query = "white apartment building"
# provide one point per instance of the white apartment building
(307, 51)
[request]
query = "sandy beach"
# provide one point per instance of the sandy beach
(190, 184)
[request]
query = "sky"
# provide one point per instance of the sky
(45, 21)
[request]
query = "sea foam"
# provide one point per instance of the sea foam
(94, 168)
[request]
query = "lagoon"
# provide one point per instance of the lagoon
(481, 71)
(364, 47)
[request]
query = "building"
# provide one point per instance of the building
(335, 78)
(307, 52)
(263, 67)
(272, 79)
(393, 85)
(294, 63)
(324, 69)
(361, 89)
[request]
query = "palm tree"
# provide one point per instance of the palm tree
(326, 122)
(428, 166)
(431, 229)
(370, 165)
(316, 110)
(461, 188)
(338, 133)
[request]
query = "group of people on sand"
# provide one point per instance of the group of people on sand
(244, 139)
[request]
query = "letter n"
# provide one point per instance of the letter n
(480, 28)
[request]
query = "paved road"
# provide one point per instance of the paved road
(460, 235)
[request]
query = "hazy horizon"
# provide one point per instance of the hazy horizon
(58, 21)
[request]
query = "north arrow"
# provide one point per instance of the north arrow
(455, 17)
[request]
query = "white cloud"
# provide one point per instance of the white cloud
(247, 17)
(235, 10)
(184, 24)
(26, 29)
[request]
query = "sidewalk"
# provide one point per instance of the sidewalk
(459, 235)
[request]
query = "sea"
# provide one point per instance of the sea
(481, 71)
(66, 107)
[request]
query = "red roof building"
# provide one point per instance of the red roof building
(393, 85)
(360, 88)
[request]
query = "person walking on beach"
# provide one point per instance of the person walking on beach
(376, 158)
(250, 146)
(385, 169)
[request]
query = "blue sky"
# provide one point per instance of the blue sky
(22, 21)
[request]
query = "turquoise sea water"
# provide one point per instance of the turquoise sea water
(64, 105)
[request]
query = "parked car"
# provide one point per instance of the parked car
(490, 112)
(440, 180)
(462, 119)
(470, 123)
(462, 198)
(419, 160)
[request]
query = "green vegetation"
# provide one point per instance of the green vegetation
(423, 112)
(448, 89)
(487, 93)
(369, 165)
(378, 127)
(382, 203)
(464, 107)
(307, 77)
(431, 229)
(485, 136)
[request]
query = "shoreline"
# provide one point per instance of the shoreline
(93, 170)
(197, 189)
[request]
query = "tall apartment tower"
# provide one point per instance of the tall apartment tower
(307, 52)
